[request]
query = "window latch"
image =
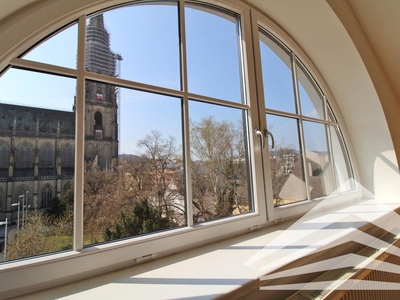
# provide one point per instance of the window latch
(259, 133)
(267, 134)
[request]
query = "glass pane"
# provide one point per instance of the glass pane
(138, 42)
(342, 166)
(318, 160)
(213, 53)
(311, 101)
(277, 76)
(134, 171)
(60, 49)
(286, 161)
(220, 186)
(36, 172)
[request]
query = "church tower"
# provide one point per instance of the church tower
(101, 127)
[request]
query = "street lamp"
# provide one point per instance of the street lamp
(17, 204)
(5, 239)
(23, 207)
(27, 201)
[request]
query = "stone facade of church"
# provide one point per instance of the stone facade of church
(37, 146)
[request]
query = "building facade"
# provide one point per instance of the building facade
(37, 145)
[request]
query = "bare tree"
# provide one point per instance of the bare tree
(219, 177)
(102, 201)
(161, 156)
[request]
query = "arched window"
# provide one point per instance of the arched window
(47, 195)
(46, 156)
(98, 121)
(3, 154)
(24, 155)
(185, 119)
(67, 156)
(301, 168)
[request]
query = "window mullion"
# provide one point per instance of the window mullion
(80, 137)
(185, 114)
(241, 36)
(331, 156)
(261, 175)
(301, 129)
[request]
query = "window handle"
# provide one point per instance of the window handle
(269, 133)
(259, 133)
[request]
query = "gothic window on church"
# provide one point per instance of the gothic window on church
(3, 154)
(98, 121)
(98, 126)
(47, 195)
(25, 155)
(46, 156)
(67, 156)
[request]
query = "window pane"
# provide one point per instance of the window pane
(318, 160)
(311, 101)
(140, 190)
(213, 53)
(60, 49)
(286, 161)
(220, 179)
(37, 189)
(138, 42)
(277, 76)
(342, 166)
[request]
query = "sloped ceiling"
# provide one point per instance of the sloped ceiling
(380, 21)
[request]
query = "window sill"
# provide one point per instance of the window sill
(224, 267)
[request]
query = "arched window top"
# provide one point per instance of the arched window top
(46, 147)
(25, 145)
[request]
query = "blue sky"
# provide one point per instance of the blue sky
(147, 37)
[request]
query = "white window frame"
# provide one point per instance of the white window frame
(290, 211)
(106, 257)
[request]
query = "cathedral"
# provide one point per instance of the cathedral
(37, 146)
